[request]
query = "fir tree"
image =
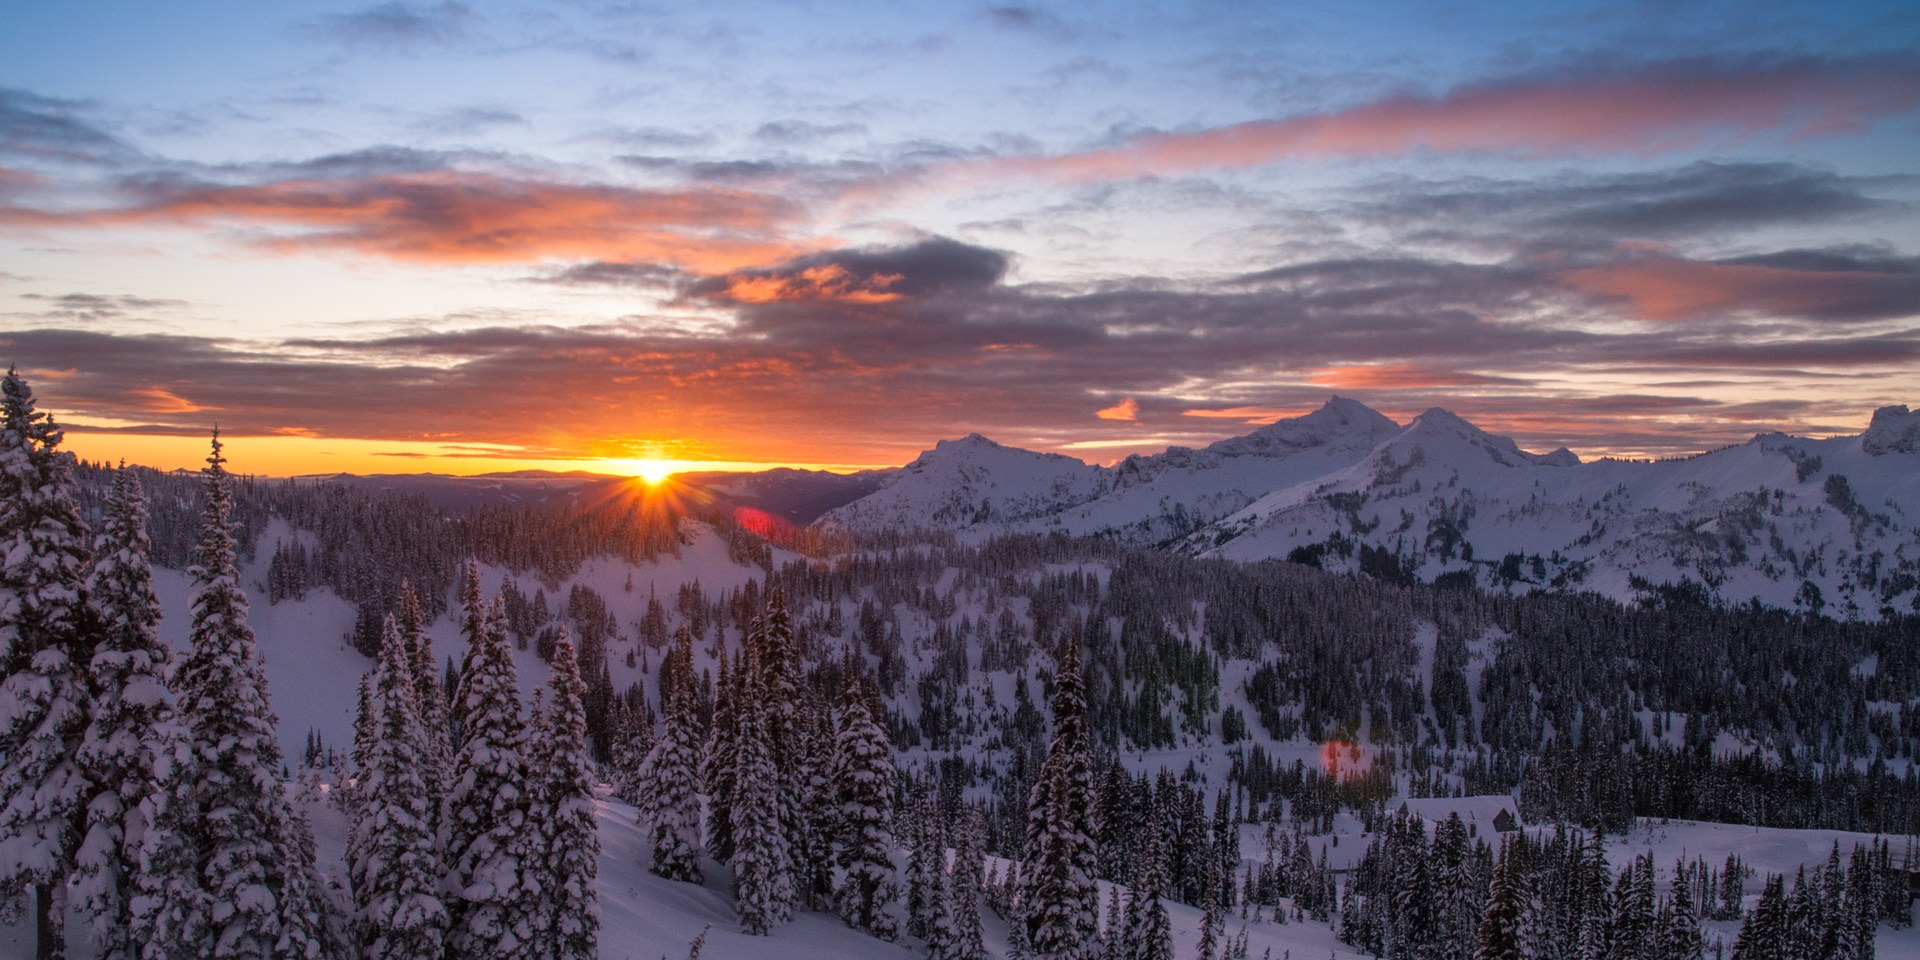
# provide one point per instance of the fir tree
(224, 809)
(1149, 931)
(863, 770)
(1764, 934)
(572, 860)
(131, 724)
(669, 794)
(1062, 912)
(762, 865)
(969, 865)
(486, 823)
(1499, 936)
(47, 635)
(430, 698)
(395, 869)
(719, 760)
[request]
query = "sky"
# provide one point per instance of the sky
(469, 236)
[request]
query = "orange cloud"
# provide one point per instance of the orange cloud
(1668, 107)
(1673, 289)
(826, 282)
(162, 400)
(1259, 415)
(1397, 376)
(453, 217)
(1128, 410)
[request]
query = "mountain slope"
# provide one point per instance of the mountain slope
(1827, 525)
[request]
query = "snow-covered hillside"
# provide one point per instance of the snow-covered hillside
(1828, 525)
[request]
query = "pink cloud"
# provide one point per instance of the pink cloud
(1653, 109)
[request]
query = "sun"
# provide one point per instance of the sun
(654, 472)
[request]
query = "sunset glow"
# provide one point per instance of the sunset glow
(479, 237)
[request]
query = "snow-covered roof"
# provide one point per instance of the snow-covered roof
(1481, 809)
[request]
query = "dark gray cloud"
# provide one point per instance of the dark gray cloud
(49, 129)
(467, 121)
(1700, 199)
(95, 307)
(399, 25)
(951, 347)
(792, 132)
(652, 276)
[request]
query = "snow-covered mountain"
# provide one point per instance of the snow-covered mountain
(1829, 524)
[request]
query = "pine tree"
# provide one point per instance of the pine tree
(963, 901)
(1764, 933)
(762, 865)
(719, 761)
(395, 866)
(486, 823)
(131, 724)
(669, 795)
(1681, 933)
(572, 860)
(1149, 931)
(1062, 912)
(863, 770)
(430, 698)
(1499, 937)
(223, 808)
(47, 635)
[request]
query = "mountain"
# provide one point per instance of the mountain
(1827, 525)
(973, 482)
(797, 496)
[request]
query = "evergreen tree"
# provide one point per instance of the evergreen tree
(223, 808)
(572, 860)
(669, 794)
(1764, 934)
(131, 724)
(1681, 934)
(963, 900)
(395, 867)
(1499, 937)
(486, 825)
(1062, 912)
(863, 771)
(720, 762)
(430, 698)
(1149, 931)
(47, 635)
(762, 865)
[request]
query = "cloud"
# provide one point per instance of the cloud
(955, 348)
(871, 275)
(651, 276)
(398, 25)
(48, 129)
(1128, 410)
(790, 132)
(1624, 109)
(1699, 199)
(467, 121)
(1828, 286)
(461, 217)
(95, 307)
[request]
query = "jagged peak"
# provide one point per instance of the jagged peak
(1894, 429)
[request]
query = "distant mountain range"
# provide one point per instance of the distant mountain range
(1828, 525)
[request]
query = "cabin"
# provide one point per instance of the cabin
(1489, 815)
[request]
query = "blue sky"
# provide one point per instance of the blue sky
(462, 236)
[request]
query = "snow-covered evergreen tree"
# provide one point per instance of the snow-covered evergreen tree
(223, 808)
(1062, 908)
(669, 795)
(395, 864)
(485, 823)
(963, 894)
(131, 723)
(762, 864)
(47, 634)
(1500, 935)
(864, 774)
(571, 911)
(430, 698)
(719, 760)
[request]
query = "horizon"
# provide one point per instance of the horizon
(464, 238)
(191, 456)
